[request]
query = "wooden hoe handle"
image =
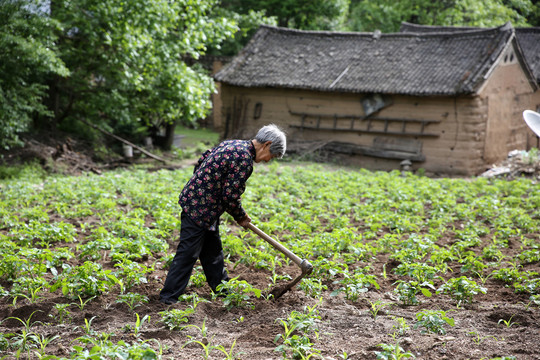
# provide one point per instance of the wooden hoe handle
(276, 244)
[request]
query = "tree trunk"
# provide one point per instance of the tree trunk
(169, 136)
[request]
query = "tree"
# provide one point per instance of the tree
(248, 23)
(127, 62)
(387, 15)
(298, 14)
(27, 58)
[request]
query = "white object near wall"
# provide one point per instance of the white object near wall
(532, 118)
(128, 150)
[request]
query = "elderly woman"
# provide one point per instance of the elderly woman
(218, 181)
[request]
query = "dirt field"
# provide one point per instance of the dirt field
(346, 329)
(499, 324)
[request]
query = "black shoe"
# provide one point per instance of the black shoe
(168, 301)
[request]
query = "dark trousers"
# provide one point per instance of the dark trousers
(195, 243)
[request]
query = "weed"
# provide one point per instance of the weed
(353, 285)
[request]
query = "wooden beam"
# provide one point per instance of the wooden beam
(367, 131)
(149, 154)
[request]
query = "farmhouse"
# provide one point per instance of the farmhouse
(450, 102)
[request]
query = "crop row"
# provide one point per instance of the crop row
(440, 237)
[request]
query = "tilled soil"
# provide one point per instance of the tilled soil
(495, 325)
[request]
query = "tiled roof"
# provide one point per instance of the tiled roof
(397, 63)
(528, 40)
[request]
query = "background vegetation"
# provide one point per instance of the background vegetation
(128, 66)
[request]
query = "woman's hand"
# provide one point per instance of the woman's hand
(243, 222)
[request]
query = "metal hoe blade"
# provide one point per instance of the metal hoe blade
(305, 265)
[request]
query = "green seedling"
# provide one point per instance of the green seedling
(63, 313)
(176, 318)
(237, 293)
(22, 341)
(376, 307)
(312, 287)
(229, 355)
(42, 342)
(400, 328)
(407, 291)
(132, 300)
(478, 339)
(198, 279)
(88, 326)
(295, 340)
(508, 323)
(433, 321)
(461, 289)
(82, 303)
(393, 352)
(353, 285)
(139, 324)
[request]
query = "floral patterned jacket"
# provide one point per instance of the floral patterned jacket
(218, 181)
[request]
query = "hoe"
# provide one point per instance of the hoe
(304, 265)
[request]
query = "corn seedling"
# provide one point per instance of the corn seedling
(295, 340)
(132, 300)
(87, 328)
(229, 355)
(478, 339)
(82, 303)
(376, 307)
(136, 329)
(508, 323)
(42, 342)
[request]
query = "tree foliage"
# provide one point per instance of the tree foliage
(127, 60)
(387, 15)
(27, 57)
(121, 64)
(248, 23)
(298, 14)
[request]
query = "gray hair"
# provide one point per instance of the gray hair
(274, 134)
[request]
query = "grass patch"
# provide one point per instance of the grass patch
(192, 137)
